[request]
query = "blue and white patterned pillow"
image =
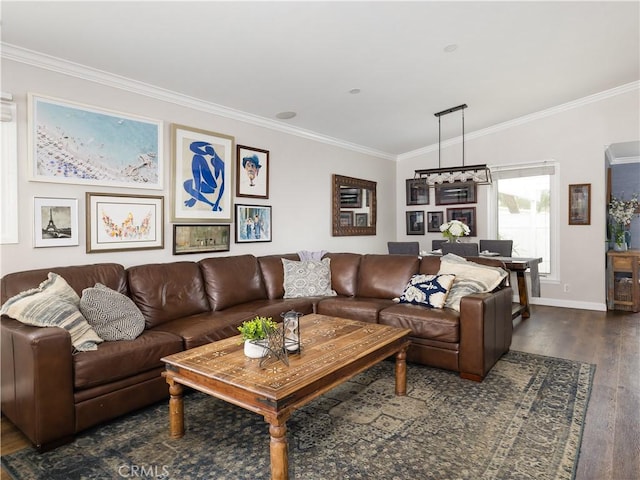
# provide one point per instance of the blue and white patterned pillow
(427, 290)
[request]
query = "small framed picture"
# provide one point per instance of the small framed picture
(362, 220)
(456, 192)
(252, 172)
(118, 222)
(55, 222)
(417, 191)
(580, 204)
(200, 238)
(434, 220)
(346, 219)
(253, 223)
(350, 197)
(415, 222)
(466, 215)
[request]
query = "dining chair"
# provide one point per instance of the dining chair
(404, 248)
(436, 244)
(503, 247)
(462, 249)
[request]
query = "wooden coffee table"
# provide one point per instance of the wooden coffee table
(334, 350)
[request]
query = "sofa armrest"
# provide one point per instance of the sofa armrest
(486, 330)
(37, 381)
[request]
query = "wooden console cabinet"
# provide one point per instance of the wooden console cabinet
(623, 282)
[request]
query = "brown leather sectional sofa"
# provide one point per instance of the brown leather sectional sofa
(51, 394)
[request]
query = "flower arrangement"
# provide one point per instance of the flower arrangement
(257, 328)
(454, 229)
(621, 212)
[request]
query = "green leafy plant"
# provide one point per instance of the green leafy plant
(258, 328)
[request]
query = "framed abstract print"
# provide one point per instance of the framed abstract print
(580, 204)
(202, 181)
(415, 223)
(417, 191)
(200, 238)
(124, 222)
(465, 215)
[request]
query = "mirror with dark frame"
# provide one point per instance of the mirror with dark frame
(354, 206)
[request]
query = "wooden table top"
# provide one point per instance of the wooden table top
(333, 349)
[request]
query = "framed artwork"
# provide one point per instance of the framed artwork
(124, 222)
(466, 215)
(350, 197)
(434, 220)
(55, 222)
(202, 185)
(417, 191)
(252, 172)
(415, 223)
(580, 204)
(362, 220)
(73, 143)
(453, 193)
(346, 219)
(200, 238)
(253, 223)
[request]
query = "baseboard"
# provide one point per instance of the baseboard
(554, 302)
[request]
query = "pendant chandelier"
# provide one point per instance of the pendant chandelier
(479, 174)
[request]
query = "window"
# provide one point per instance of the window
(525, 210)
(8, 171)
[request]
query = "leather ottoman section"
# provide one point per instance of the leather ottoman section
(205, 328)
(363, 309)
(441, 324)
(106, 407)
(117, 360)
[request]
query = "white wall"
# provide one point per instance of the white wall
(299, 190)
(576, 137)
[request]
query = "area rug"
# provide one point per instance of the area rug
(524, 421)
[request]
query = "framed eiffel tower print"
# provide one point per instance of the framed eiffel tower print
(55, 222)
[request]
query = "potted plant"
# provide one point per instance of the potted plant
(254, 333)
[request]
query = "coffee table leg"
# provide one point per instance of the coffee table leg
(279, 449)
(176, 412)
(401, 372)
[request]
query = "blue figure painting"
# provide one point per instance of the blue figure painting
(208, 182)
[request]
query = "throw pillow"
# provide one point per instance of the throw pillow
(427, 290)
(307, 279)
(112, 315)
(470, 278)
(53, 304)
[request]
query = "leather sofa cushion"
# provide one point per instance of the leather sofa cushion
(274, 308)
(430, 264)
(344, 272)
(273, 273)
(385, 276)
(363, 309)
(232, 280)
(117, 360)
(431, 323)
(112, 275)
(166, 291)
(206, 327)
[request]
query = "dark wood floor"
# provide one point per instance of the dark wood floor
(611, 440)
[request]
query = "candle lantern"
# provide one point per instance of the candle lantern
(291, 329)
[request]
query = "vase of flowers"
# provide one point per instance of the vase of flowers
(621, 212)
(454, 229)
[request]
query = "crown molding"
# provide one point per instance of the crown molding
(525, 119)
(55, 64)
(65, 67)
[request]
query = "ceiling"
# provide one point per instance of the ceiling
(511, 59)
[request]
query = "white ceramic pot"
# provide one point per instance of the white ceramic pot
(255, 348)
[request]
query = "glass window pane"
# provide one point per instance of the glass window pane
(524, 216)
